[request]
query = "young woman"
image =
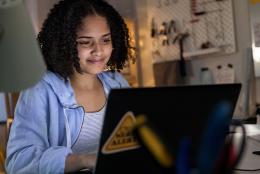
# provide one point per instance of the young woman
(57, 122)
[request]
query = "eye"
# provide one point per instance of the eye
(106, 40)
(85, 43)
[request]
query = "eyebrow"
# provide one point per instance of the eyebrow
(88, 37)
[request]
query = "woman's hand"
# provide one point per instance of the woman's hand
(76, 162)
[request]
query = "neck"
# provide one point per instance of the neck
(84, 81)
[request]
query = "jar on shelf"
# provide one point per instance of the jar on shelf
(206, 76)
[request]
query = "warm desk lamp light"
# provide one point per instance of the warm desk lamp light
(21, 62)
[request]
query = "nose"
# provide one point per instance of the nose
(97, 49)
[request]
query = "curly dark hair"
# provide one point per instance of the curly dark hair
(57, 37)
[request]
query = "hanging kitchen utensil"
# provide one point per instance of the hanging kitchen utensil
(182, 60)
(193, 10)
(153, 28)
(164, 33)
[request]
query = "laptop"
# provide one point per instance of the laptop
(174, 112)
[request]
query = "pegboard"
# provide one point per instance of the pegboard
(209, 25)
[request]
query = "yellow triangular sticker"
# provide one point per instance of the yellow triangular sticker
(122, 138)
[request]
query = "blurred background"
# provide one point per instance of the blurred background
(181, 42)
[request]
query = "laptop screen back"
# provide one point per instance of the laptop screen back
(174, 113)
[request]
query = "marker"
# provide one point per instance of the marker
(256, 152)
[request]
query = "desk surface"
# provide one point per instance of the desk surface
(249, 160)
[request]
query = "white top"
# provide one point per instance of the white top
(90, 133)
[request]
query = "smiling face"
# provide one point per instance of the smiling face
(94, 44)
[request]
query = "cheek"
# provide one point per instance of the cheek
(82, 54)
(108, 51)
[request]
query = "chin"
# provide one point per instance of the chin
(96, 71)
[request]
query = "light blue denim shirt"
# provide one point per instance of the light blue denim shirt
(47, 122)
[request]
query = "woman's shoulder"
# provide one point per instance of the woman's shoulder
(39, 89)
(35, 92)
(114, 78)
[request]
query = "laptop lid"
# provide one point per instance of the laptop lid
(174, 112)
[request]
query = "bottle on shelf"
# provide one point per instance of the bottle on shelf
(206, 76)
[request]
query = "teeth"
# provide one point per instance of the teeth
(98, 60)
(95, 61)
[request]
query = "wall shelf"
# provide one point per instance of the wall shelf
(201, 52)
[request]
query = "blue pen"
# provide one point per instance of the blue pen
(182, 160)
(213, 138)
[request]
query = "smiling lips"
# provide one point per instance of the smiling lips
(96, 61)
